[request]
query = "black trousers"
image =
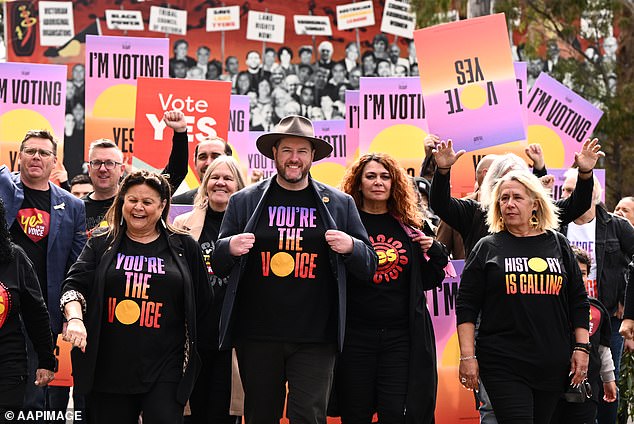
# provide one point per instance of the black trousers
(211, 397)
(159, 406)
(575, 413)
(372, 375)
(12, 391)
(515, 402)
(266, 367)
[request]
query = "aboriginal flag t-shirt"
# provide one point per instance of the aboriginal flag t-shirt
(143, 324)
(383, 302)
(30, 230)
(288, 291)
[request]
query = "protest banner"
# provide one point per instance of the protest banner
(558, 173)
(312, 25)
(124, 20)
(559, 119)
(32, 96)
(454, 403)
(392, 120)
(267, 27)
(255, 160)
(521, 77)
(352, 124)
(468, 79)
(398, 19)
(355, 15)
(204, 103)
(331, 169)
(168, 20)
(56, 22)
(238, 136)
(223, 18)
(113, 65)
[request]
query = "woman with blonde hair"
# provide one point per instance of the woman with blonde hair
(388, 363)
(524, 282)
(210, 399)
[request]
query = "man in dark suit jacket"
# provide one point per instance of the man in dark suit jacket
(49, 223)
(288, 243)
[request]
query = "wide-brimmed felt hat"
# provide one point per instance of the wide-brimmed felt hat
(293, 126)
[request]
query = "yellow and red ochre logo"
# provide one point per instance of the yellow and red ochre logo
(391, 258)
(5, 303)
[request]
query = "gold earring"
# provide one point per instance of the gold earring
(534, 221)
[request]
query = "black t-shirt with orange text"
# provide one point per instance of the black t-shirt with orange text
(30, 230)
(528, 300)
(288, 292)
(143, 324)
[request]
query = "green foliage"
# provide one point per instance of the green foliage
(626, 388)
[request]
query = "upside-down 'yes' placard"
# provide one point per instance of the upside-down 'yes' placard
(469, 82)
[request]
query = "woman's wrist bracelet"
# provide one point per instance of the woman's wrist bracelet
(466, 358)
(581, 349)
(72, 318)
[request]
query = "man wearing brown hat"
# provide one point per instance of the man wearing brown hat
(286, 245)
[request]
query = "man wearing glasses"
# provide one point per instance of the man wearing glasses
(105, 169)
(48, 223)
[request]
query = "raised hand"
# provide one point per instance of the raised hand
(430, 143)
(445, 155)
(535, 153)
(175, 119)
(587, 158)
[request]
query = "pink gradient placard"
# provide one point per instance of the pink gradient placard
(559, 119)
(521, 77)
(558, 173)
(467, 75)
(113, 65)
(352, 124)
(331, 169)
(392, 120)
(250, 158)
(32, 96)
(454, 403)
(238, 136)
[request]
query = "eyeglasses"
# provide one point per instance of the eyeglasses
(109, 164)
(31, 151)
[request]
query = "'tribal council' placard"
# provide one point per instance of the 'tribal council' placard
(113, 65)
(468, 79)
(205, 105)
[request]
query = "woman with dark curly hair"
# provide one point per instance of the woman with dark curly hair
(133, 302)
(20, 300)
(388, 363)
